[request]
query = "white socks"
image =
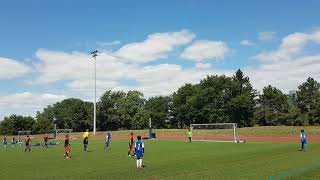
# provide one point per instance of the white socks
(139, 163)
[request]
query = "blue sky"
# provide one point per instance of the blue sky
(151, 46)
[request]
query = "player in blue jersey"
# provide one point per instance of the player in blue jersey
(303, 138)
(139, 148)
(108, 139)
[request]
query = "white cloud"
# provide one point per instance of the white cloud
(26, 103)
(285, 75)
(164, 79)
(267, 35)
(203, 65)
(291, 47)
(55, 66)
(246, 42)
(205, 50)
(10, 68)
(155, 47)
(290, 66)
(112, 43)
(85, 87)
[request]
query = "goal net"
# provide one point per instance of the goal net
(61, 133)
(217, 132)
(23, 133)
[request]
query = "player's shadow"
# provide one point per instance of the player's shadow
(89, 151)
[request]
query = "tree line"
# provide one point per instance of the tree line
(215, 99)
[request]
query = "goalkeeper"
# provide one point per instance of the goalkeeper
(190, 135)
(85, 137)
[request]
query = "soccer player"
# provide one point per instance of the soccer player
(303, 138)
(28, 145)
(13, 142)
(20, 142)
(139, 149)
(67, 147)
(131, 144)
(45, 139)
(85, 137)
(5, 142)
(190, 136)
(108, 139)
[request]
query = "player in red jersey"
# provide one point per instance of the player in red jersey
(131, 144)
(28, 145)
(45, 139)
(67, 147)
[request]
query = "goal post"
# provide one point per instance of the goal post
(61, 132)
(215, 132)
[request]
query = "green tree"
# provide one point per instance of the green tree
(308, 99)
(108, 114)
(73, 114)
(68, 114)
(44, 121)
(14, 123)
(129, 106)
(181, 106)
(273, 107)
(242, 103)
(118, 109)
(160, 111)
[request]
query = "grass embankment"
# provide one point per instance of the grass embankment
(257, 131)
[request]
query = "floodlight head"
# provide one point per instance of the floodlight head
(94, 52)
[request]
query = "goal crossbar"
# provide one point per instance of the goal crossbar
(60, 131)
(216, 138)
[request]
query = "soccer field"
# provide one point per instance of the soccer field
(164, 159)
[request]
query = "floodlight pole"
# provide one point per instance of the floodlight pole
(94, 56)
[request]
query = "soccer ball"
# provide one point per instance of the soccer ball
(186, 141)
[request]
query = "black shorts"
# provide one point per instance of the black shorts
(85, 141)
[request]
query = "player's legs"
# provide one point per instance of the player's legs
(189, 139)
(67, 152)
(28, 147)
(140, 162)
(85, 144)
(107, 145)
(130, 149)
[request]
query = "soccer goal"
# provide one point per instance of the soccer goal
(60, 133)
(216, 132)
(24, 133)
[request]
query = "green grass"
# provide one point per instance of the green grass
(164, 159)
